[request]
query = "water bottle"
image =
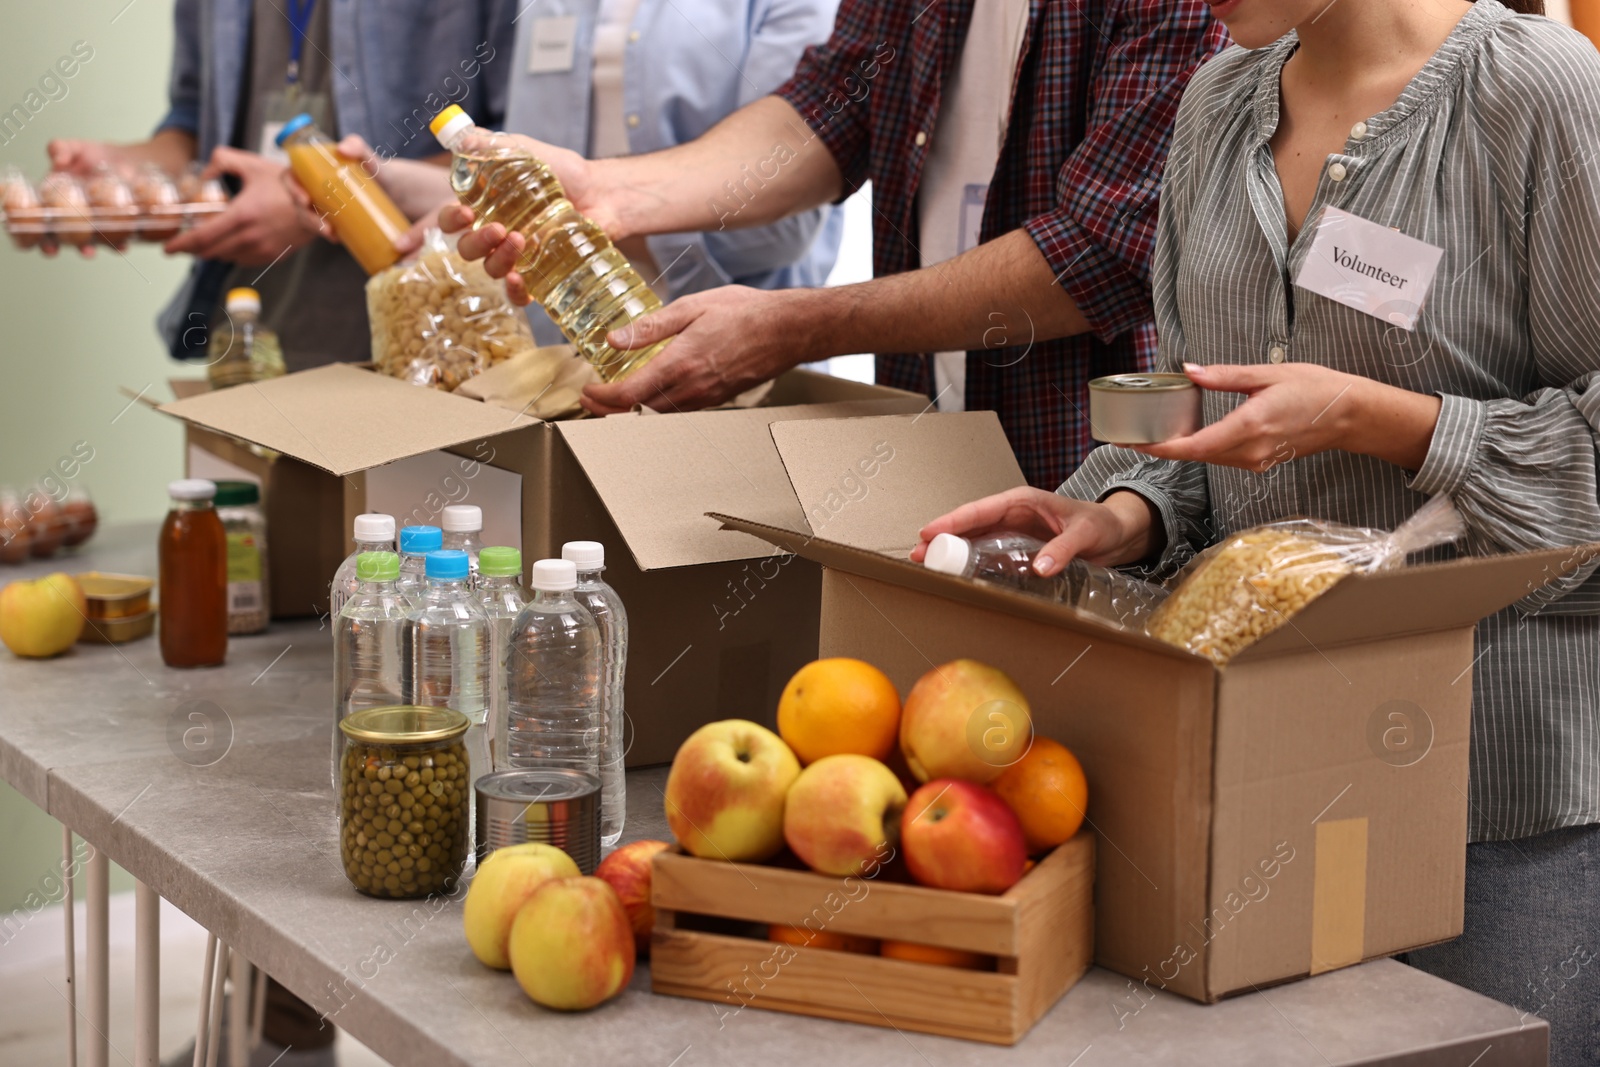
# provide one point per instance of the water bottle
(1007, 559)
(373, 533)
(446, 658)
(415, 544)
(569, 265)
(463, 529)
(553, 677)
(603, 603)
(500, 593)
(368, 639)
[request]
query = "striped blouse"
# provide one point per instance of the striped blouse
(1491, 153)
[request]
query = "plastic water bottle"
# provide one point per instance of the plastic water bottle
(553, 677)
(415, 544)
(1007, 559)
(603, 603)
(463, 529)
(446, 658)
(373, 533)
(368, 640)
(500, 592)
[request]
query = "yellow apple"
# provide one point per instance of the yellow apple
(571, 945)
(504, 882)
(843, 814)
(964, 720)
(726, 790)
(43, 617)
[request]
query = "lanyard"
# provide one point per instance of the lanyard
(299, 23)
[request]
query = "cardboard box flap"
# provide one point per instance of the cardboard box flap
(875, 482)
(1420, 599)
(344, 419)
(658, 476)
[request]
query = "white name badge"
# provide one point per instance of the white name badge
(551, 43)
(1369, 267)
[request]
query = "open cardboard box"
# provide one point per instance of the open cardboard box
(1301, 810)
(717, 626)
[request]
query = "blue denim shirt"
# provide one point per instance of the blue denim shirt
(692, 63)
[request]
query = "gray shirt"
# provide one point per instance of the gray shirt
(1492, 153)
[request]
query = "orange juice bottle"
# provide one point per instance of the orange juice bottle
(360, 212)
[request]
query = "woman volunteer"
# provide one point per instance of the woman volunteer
(1378, 253)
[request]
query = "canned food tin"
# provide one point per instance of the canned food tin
(553, 805)
(1143, 409)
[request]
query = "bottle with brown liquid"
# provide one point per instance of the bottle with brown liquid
(360, 212)
(194, 578)
(569, 265)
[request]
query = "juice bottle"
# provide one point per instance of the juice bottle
(193, 554)
(569, 265)
(239, 349)
(360, 212)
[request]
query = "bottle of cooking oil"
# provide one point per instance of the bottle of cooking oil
(240, 349)
(569, 265)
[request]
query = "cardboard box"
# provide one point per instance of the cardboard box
(1301, 810)
(717, 624)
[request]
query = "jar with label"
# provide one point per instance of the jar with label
(239, 508)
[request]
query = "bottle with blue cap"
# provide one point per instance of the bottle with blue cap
(355, 205)
(553, 678)
(446, 657)
(415, 544)
(368, 636)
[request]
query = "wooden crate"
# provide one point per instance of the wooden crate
(1041, 933)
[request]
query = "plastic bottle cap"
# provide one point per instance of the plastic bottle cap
(416, 540)
(448, 565)
(498, 561)
(462, 518)
(293, 126)
(586, 554)
(947, 554)
(241, 300)
(374, 527)
(377, 566)
(554, 575)
(191, 489)
(237, 494)
(450, 122)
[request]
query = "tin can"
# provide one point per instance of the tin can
(554, 805)
(1143, 409)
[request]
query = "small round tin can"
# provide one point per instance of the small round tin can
(554, 805)
(1143, 409)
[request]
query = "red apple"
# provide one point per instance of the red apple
(960, 835)
(627, 870)
(571, 946)
(726, 790)
(843, 814)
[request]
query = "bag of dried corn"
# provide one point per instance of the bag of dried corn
(1244, 587)
(438, 319)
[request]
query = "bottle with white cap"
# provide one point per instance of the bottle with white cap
(603, 603)
(373, 533)
(1007, 559)
(553, 678)
(463, 529)
(446, 658)
(368, 642)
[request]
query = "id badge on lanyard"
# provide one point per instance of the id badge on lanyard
(281, 105)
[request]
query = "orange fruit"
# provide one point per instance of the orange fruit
(944, 957)
(809, 938)
(836, 706)
(1047, 790)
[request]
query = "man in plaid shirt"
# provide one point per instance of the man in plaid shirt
(1041, 274)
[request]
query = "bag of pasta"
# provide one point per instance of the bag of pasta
(1241, 589)
(439, 320)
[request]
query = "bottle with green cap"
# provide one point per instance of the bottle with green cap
(500, 592)
(239, 349)
(368, 638)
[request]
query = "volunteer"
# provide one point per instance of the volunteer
(1452, 145)
(1014, 151)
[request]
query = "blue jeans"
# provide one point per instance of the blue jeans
(1531, 937)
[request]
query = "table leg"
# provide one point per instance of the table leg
(67, 866)
(98, 931)
(218, 981)
(202, 1029)
(258, 1008)
(146, 976)
(238, 1022)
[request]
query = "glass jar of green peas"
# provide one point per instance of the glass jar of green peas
(404, 798)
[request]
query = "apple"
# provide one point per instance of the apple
(571, 945)
(627, 871)
(726, 790)
(965, 720)
(42, 617)
(504, 882)
(843, 814)
(961, 835)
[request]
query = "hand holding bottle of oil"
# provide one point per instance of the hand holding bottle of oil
(569, 265)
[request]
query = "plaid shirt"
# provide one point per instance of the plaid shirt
(1080, 171)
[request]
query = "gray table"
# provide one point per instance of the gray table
(246, 845)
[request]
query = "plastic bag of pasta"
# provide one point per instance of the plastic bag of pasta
(439, 320)
(1241, 589)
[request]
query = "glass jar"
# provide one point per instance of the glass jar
(194, 578)
(245, 526)
(404, 799)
